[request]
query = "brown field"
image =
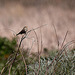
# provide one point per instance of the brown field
(14, 15)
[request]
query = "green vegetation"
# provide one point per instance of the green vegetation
(7, 47)
(55, 63)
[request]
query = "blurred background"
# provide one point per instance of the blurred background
(58, 16)
(15, 14)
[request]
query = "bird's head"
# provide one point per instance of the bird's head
(25, 28)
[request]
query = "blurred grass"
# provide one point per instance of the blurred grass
(62, 65)
(70, 4)
(7, 47)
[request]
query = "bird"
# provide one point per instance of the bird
(23, 31)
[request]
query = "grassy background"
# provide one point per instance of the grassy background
(61, 3)
(62, 65)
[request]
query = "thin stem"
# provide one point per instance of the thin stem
(24, 61)
(41, 42)
(10, 70)
(56, 35)
(36, 28)
(38, 52)
(64, 39)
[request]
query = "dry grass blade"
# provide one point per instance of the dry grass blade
(38, 51)
(64, 39)
(24, 61)
(10, 69)
(2, 70)
(41, 42)
(56, 35)
(36, 28)
(37, 40)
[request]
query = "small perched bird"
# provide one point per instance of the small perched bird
(23, 31)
